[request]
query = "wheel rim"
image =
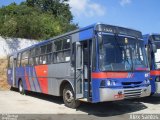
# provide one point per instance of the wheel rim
(20, 87)
(69, 96)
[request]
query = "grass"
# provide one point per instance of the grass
(3, 75)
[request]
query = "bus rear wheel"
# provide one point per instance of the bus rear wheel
(68, 97)
(21, 88)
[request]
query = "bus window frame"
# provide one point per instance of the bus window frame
(62, 50)
(52, 53)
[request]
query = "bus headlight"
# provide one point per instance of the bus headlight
(113, 83)
(108, 83)
(157, 79)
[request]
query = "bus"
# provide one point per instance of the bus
(152, 43)
(93, 64)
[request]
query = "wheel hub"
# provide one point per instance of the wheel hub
(20, 88)
(68, 96)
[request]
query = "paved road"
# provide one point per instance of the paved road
(12, 102)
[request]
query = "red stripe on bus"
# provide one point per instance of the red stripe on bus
(110, 75)
(27, 81)
(42, 74)
(155, 72)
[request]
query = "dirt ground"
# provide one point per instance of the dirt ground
(3, 75)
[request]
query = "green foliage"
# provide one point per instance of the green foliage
(36, 19)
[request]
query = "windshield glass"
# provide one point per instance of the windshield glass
(157, 55)
(118, 53)
(156, 37)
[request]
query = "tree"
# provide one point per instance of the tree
(36, 19)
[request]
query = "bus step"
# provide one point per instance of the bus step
(83, 99)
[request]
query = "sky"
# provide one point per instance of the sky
(137, 14)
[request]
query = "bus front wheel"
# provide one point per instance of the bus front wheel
(21, 88)
(68, 97)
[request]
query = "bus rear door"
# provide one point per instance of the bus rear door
(12, 71)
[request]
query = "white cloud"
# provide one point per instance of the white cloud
(86, 8)
(125, 2)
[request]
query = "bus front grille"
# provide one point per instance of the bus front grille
(131, 84)
(132, 93)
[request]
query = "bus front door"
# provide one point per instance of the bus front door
(79, 76)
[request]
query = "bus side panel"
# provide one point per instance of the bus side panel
(29, 85)
(33, 77)
(57, 74)
(20, 75)
(42, 76)
(153, 87)
(95, 90)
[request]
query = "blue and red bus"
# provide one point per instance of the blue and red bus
(152, 42)
(96, 63)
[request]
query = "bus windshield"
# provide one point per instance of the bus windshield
(156, 37)
(118, 53)
(157, 54)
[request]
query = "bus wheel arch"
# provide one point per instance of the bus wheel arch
(62, 86)
(68, 94)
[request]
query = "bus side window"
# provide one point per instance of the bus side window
(31, 61)
(72, 55)
(10, 63)
(49, 53)
(36, 60)
(36, 57)
(43, 49)
(19, 60)
(60, 57)
(31, 57)
(67, 55)
(67, 49)
(61, 50)
(42, 59)
(58, 45)
(57, 51)
(24, 60)
(46, 54)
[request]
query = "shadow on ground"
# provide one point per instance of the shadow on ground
(105, 109)
(155, 99)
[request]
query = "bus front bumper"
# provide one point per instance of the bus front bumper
(110, 94)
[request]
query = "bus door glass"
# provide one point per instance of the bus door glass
(78, 74)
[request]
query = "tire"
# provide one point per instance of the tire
(151, 94)
(21, 88)
(68, 97)
(12, 88)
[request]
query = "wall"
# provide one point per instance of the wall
(9, 45)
